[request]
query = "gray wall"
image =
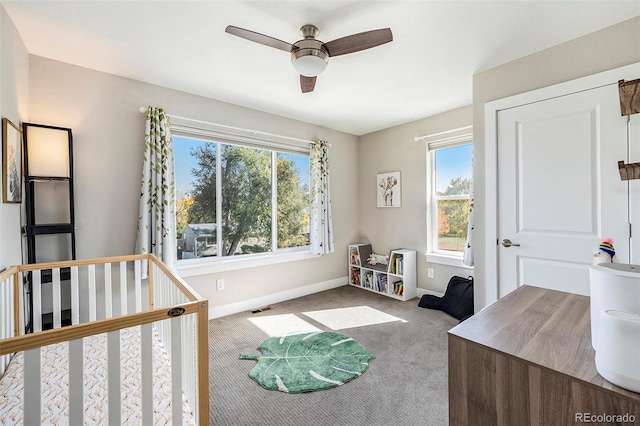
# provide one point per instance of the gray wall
(14, 105)
(603, 50)
(108, 131)
(393, 150)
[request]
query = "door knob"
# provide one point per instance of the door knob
(507, 243)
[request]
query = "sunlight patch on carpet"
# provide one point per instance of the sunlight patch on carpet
(281, 325)
(356, 316)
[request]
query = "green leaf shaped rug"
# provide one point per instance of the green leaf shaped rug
(308, 362)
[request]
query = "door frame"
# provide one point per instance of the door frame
(491, 110)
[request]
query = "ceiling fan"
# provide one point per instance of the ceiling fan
(309, 55)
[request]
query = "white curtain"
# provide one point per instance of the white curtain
(320, 226)
(156, 223)
(467, 255)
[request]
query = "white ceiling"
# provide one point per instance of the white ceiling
(427, 69)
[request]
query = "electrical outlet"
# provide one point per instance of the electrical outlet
(430, 273)
(220, 284)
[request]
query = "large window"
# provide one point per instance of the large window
(234, 200)
(449, 196)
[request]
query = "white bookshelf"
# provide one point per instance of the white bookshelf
(394, 278)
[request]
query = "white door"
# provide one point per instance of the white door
(559, 189)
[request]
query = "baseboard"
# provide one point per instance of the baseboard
(260, 302)
(421, 292)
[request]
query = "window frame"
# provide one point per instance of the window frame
(433, 255)
(220, 134)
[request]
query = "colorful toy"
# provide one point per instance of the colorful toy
(606, 253)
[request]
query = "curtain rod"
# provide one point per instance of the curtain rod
(253, 132)
(446, 132)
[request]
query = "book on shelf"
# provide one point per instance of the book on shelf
(381, 284)
(355, 276)
(399, 264)
(398, 288)
(391, 267)
(354, 256)
(368, 280)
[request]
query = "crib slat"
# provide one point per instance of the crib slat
(138, 282)
(5, 307)
(13, 296)
(32, 387)
(123, 288)
(20, 314)
(187, 366)
(6, 317)
(75, 296)
(190, 346)
(37, 301)
(146, 354)
(176, 371)
(57, 306)
(76, 382)
(113, 376)
(152, 298)
(6, 304)
(91, 270)
(108, 296)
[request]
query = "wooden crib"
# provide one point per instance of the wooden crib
(132, 349)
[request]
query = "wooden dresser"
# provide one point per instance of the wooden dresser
(527, 360)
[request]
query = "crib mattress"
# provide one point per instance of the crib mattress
(55, 387)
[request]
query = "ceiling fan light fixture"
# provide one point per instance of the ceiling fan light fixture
(309, 65)
(309, 57)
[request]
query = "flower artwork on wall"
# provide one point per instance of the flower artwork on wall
(388, 189)
(11, 162)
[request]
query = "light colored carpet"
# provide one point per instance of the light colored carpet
(406, 383)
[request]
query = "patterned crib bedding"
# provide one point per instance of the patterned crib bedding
(55, 387)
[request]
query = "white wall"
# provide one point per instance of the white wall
(108, 135)
(14, 84)
(603, 50)
(393, 150)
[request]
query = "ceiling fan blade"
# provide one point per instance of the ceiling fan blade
(259, 38)
(307, 84)
(360, 41)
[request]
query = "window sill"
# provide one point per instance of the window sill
(444, 259)
(195, 267)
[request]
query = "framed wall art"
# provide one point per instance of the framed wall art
(388, 189)
(11, 162)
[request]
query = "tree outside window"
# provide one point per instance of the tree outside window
(453, 215)
(450, 198)
(225, 194)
